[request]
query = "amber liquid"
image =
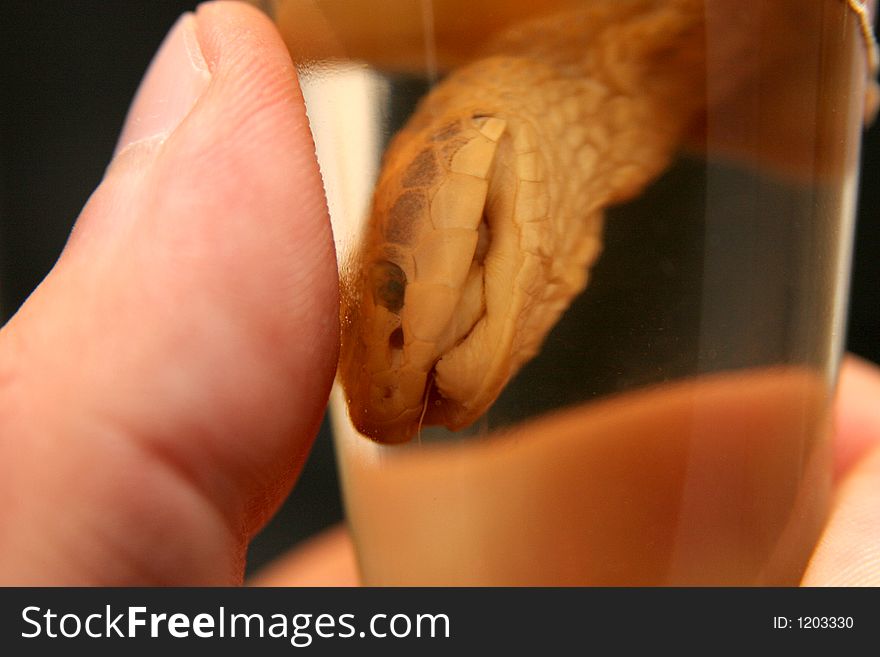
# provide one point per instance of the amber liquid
(674, 430)
(717, 481)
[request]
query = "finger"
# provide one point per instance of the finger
(327, 559)
(856, 413)
(848, 553)
(161, 388)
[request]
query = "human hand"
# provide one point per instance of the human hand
(160, 390)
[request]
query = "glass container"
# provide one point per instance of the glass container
(684, 172)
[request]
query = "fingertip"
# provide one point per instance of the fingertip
(848, 554)
(253, 76)
(219, 19)
(857, 414)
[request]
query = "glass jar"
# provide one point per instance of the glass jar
(683, 172)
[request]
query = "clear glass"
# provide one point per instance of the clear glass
(673, 429)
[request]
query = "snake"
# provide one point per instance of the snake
(488, 212)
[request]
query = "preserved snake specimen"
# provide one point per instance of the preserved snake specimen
(488, 212)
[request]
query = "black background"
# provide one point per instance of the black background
(69, 69)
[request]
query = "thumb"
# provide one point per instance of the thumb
(160, 390)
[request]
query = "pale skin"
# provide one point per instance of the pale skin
(160, 390)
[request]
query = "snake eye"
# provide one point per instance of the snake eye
(389, 285)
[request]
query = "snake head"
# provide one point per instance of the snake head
(455, 266)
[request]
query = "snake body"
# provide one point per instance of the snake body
(488, 212)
